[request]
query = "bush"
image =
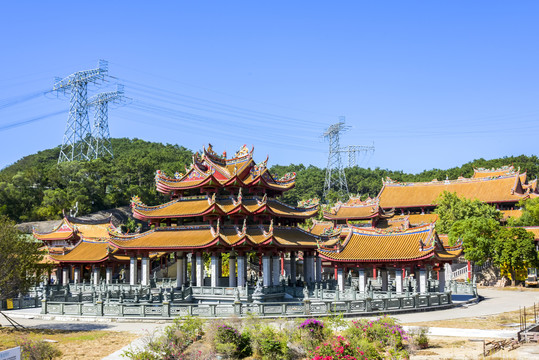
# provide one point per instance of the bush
(383, 332)
(37, 350)
(419, 337)
(340, 348)
(175, 339)
(231, 342)
(312, 333)
(270, 344)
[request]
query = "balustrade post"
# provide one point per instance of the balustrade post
(44, 305)
(307, 304)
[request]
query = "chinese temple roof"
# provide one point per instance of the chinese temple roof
(507, 188)
(204, 236)
(356, 210)
(229, 205)
(213, 170)
(86, 252)
(503, 171)
(321, 227)
(71, 228)
(363, 245)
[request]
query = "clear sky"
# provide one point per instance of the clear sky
(431, 83)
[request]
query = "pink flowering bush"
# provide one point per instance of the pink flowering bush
(340, 348)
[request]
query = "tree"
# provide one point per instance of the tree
(477, 235)
(452, 208)
(21, 258)
(530, 213)
(513, 249)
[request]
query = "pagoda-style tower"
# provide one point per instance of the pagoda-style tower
(219, 206)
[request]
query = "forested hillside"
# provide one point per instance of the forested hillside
(37, 188)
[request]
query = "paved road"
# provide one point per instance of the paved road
(495, 302)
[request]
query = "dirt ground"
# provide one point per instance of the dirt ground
(74, 345)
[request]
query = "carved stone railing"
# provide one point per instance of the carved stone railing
(20, 302)
(306, 307)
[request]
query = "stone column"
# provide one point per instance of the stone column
(441, 280)
(293, 268)
(242, 267)
(383, 274)
(133, 265)
(108, 274)
(423, 280)
(65, 275)
(266, 270)
(214, 269)
(180, 269)
(362, 279)
(199, 270)
(97, 274)
(275, 269)
(398, 281)
(76, 274)
(145, 271)
(193, 269)
(318, 267)
(232, 271)
(340, 278)
(307, 267)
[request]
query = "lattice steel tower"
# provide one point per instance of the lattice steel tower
(101, 135)
(335, 177)
(335, 171)
(77, 142)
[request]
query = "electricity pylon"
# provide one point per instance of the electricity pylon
(335, 172)
(101, 135)
(353, 151)
(335, 176)
(77, 142)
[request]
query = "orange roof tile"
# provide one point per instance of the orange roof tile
(511, 213)
(65, 230)
(482, 172)
(86, 251)
(167, 238)
(534, 230)
(320, 227)
(371, 246)
(503, 189)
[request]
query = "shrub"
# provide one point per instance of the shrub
(312, 333)
(270, 344)
(419, 337)
(231, 342)
(383, 332)
(37, 350)
(339, 348)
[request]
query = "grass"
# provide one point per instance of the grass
(73, 344)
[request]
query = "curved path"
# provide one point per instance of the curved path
(495, 301)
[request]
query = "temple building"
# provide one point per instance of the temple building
(503, 188)
(71, 230)
(385, 254)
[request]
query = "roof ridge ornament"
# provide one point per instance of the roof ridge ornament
(135, 201)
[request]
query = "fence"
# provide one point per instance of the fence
(304, 308)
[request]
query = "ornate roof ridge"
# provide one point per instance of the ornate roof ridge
(62, 222)
(435, 182)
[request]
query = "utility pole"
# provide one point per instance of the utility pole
(335, 177)
(77, 141)
(101, 135)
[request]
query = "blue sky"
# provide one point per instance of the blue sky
(431, 84)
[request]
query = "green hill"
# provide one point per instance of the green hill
(37, 188)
